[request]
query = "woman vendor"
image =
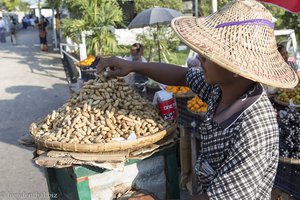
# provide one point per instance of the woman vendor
(239, 139)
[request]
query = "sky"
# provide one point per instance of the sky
(31, 1)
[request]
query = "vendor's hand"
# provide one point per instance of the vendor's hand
(117, 66)
(142, 197)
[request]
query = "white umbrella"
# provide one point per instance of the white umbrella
(154, 16)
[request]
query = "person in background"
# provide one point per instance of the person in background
(24, 22)
(136, 54)
(57, 26)
(194, 62)
(34, 20)
(282, 50)
(13, 30)
(42, 25)
(239, 137)
(2, 30)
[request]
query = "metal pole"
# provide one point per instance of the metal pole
(54, 31)
(159, 59)
(214, 5)
(82, 47)
(196, 8)
(40, 11)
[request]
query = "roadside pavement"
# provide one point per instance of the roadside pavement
(32, 84)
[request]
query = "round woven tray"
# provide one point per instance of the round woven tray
(80, 66)
(276, 100)
(102, 147)
(186, 95)
(289, 160)
(202, 114)
(153, 87)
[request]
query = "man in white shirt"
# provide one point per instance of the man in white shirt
(2, 30)
(136, 53)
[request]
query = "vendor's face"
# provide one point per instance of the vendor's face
(284, 54)
(214, 74)
(134, 51)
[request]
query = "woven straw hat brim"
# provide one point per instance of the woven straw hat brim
(247, 50)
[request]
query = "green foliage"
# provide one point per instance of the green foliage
(24, 6)
(178, 57)
(174, 56)
(98, 17)
(72, 28)
(285, 20)
(205, 7)
(140, 5)
(103, 42)
(11, 5)
(54, 3)
(167, 38)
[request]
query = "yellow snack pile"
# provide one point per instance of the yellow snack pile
(197, 105)
(178, 89)
(87, 62)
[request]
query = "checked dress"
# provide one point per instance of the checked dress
(238, 154)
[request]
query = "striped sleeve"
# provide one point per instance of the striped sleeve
(252, 159)
(195, 81)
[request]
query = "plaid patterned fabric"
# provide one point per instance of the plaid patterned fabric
(294, 66)
(239, 155)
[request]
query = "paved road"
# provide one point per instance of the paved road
(32, 84)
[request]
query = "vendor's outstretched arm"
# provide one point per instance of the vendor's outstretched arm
(160, 72)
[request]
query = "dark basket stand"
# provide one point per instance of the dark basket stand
(288, 176)
(185, 117)
(190, 121)
(87, 74)
(151, 92)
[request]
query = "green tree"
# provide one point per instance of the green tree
(167, 38)
(284, 19)
(140, 5)
(55, 4)
(205, 7)
(11, 5)
(98, 17)
(24, 6)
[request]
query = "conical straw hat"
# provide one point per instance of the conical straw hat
(240, 37)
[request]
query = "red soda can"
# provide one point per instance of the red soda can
(168, 109)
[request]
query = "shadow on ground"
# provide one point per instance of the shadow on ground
(33, 84)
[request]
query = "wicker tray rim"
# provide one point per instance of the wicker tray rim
(185, 95)
(103, 147)
(289, 160)
(276, 100)
(196, 113)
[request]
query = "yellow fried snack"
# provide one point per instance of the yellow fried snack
(178, 89)
(87, 62)
(197, 105)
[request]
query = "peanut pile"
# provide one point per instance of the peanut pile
(102, 110)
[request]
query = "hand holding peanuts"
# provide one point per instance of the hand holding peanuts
(101, 111)
(117, 66)
(142, 197)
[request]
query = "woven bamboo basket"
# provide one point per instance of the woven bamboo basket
(289, 160)
(77, 64)
(276, 100)
(288, 176)
(103, 147)
(185, 95)
(201, 114)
